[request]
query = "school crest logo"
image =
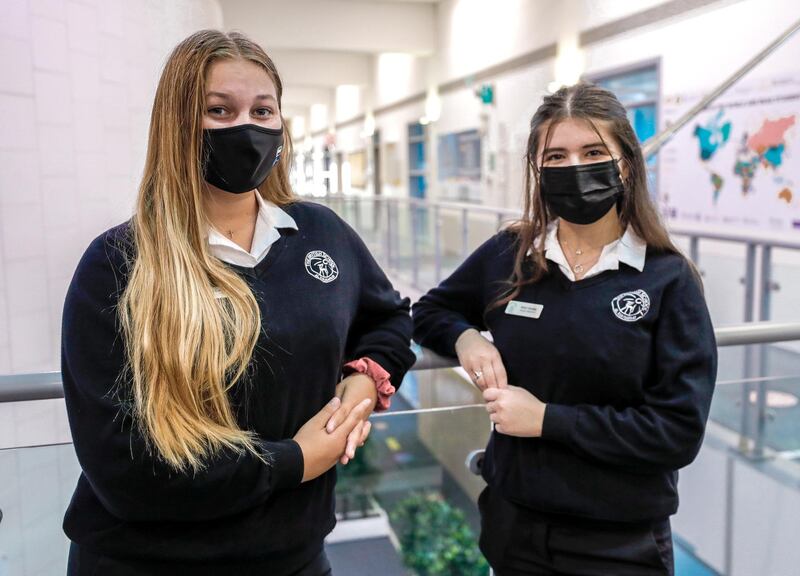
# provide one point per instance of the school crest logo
(321, 266)
(631, 306)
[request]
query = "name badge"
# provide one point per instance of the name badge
(524, 309)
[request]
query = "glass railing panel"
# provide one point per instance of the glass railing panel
(368, 216)
(405, 497)
(35, 487)
(424, 222)
(408, 235)
(409, 493)
(764, 413)
(784, 297)
(413, 466)
(745, 374)
(453, 246)
(739, 498)
(757, 360)
(33, 423)
(723, 267)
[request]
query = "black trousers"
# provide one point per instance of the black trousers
(84, 563)
(518, 542)
(318, 567)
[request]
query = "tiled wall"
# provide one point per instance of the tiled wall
(76, 85)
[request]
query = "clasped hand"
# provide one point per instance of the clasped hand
(513, 410)
(335, 431)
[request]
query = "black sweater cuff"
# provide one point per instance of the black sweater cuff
(288, 465)
(455, 330)
(559, 422)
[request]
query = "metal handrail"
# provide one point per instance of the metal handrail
(47, 385)
(757, 333)
(24, 387)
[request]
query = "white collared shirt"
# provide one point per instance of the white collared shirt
(270, 219)
(629, 249)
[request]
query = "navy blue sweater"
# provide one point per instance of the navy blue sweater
(626, 362)
(239, 516)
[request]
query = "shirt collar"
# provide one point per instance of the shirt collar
(629, 249)
(632, 250)
(270, 218)
(273, 215)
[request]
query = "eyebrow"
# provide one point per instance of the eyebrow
(587, 146)
(226, 96)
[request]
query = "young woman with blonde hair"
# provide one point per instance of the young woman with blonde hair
(602, 363)
(223, 349)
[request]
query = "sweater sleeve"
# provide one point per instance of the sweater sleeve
(456, 304)
(132, 483)
(381, 329)
(666, 431)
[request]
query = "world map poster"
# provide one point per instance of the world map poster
(738, 162)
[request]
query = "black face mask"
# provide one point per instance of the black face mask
(582, 193)
(238, 159)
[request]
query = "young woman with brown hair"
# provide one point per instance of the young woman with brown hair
(601, 368)
(205, 340)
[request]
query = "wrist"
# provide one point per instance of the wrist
(359, 386)
(464, 335)
(381, 387)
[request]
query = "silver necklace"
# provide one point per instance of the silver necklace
(579, 267)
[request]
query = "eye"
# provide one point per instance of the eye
(216, 110)
(264, 112)
(596, 152)
(553, 157)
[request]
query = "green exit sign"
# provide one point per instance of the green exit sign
(486, 93)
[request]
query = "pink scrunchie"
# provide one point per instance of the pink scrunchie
(379, 376)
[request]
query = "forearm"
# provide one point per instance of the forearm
(358, 387)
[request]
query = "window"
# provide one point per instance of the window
(638, 88)
(417, 180)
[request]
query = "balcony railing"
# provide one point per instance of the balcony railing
(413, 467)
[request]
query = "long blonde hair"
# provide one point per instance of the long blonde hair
(186, 347)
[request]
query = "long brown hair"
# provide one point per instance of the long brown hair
(190, 323)
(594, 104)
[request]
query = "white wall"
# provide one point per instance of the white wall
(76, 85)
(713, 44)
(339, 25)
(397, 75)
(471, 36)
(76, 88)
